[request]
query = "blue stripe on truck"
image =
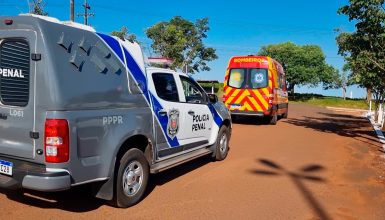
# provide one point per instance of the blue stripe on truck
(163, 120)
(217, 118)
(141, 79)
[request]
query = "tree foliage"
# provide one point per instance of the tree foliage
(304, 65)
(364, 49)
(182, 41)
(38, 7)
(124, 34)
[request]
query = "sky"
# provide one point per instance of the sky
(236, 27)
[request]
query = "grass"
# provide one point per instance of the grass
(311, 99)
(323, 101)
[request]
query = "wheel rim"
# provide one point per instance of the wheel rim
(132, 178)
(223, 144)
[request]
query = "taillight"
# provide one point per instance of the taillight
(56, 141)
(8, 21)
(223, 98)
(271, 98)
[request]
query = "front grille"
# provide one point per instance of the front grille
(14, 56)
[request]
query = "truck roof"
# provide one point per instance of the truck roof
(68, 23)
(157, 69)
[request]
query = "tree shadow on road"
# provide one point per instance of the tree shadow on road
(340, 124)
(306, 173)
(77, 199)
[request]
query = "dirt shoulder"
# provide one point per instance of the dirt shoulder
(317, 164)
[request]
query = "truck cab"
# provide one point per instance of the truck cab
(81, 107)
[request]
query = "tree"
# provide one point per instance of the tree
(304, 65)
(364, 49)
(182, 41)
(123, 34)
(38, 8)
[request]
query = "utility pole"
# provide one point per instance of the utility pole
(72, 10)
(86, 14)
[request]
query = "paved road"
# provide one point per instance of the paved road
(317, 164)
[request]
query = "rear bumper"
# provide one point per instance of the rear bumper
(250, 113)
(34, 176)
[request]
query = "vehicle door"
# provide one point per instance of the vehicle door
(167, 112)
(197, 118)
(17, 107)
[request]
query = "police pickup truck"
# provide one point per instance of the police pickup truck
(79, 107)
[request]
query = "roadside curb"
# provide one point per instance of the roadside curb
(377, 129)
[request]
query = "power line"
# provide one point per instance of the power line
(242, 23)
(86, 14)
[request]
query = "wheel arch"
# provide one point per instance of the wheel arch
(227, 123)
(105, 190)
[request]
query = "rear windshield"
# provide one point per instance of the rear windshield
(252, 78)
(14, 72)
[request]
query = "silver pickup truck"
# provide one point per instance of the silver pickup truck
(81, 107)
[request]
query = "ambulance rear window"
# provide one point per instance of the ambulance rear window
(258, 78)
(237, 78)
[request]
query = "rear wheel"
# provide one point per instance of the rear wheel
(132, 178)
(273, 119)
(222, 143)
(284, 115)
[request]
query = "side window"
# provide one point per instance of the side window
(282, 83)
(192, 91)
(165, 86)
(237, 78)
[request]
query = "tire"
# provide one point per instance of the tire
(273, 119)
(284, 115)
(222, 143)
(131, 180)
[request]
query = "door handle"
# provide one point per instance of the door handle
(162, 112)
(191, 112)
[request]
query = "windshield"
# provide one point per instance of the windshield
(253, 78)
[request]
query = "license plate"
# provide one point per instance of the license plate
(6, 167)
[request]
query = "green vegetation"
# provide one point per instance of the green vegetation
(364, 48)
(124, 34)
(323, 101)
(304, 65)
(182, 41)
(38, 7)
(311, 99)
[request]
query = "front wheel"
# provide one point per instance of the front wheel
(132, 178)
(222, 143)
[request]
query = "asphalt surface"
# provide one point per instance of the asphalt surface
(317, 164)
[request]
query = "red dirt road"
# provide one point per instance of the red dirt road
(317, 164)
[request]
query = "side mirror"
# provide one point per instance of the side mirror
(213, 98)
